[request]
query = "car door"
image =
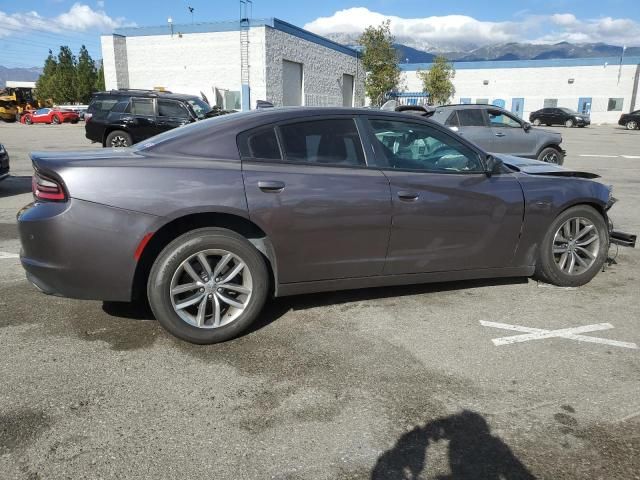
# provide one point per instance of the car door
(42, 115)
(140, 118)
(307, 186)
(171, 114)
(448, 214)
(556, 117)
(509, 135)
(472, 124)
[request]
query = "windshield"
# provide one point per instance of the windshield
(569, 111)
(200, 107)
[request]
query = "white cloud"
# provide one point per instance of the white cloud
(79, 18)
(460, 31)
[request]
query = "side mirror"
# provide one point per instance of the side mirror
(492, 165)
(526, 126)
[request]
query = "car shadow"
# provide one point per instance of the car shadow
(15, 185)
(277, 307)
(473, 452)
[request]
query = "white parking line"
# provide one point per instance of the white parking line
(572, 333)
(630, 156)
(599, 156)
(8, 255)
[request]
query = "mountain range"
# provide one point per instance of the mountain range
(411, 50)
(19, 74)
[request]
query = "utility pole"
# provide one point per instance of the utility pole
(191, 9)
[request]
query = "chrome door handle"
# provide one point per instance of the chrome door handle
(271, 186)
(408, 196)
(500, 134)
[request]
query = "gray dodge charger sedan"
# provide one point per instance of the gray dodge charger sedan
(206, 221)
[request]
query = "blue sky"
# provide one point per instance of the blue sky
(28, 28)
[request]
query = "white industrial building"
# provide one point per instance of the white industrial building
(602, 87)
(235, 64)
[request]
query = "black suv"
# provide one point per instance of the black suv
(559, 116)
(120, 118)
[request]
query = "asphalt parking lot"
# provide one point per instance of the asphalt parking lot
(390, 383)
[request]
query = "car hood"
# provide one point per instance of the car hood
(536, 167)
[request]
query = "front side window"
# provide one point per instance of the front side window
(501, 119)
(142, 106)
(615, 104)
(331, 142)
(415, 146)
(260, 144)
(471, 117)
(169, 108)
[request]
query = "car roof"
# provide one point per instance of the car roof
(132, 92)
(474, 106)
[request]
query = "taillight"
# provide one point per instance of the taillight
(47, 189)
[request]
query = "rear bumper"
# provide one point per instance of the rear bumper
(80, 249)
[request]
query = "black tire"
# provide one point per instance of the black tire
(27, 120)
(56, 120)
(185, 246)
(632, 125)
(118, 138)
(548, 124)
(548, 270)
(537, 122)
(551, 155)
(569, 123)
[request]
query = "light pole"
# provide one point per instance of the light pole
(191, 9)
(170, 22)
(624, 47)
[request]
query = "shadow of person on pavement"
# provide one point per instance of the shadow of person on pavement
(474, 453)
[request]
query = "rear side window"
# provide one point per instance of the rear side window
(100, 106)
(142, 106)
(330, 142)
(453, 121)
(261, 144)
(471, 118)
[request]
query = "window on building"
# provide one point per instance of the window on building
(415, 146)
(550, 102)
(260, 144)
(142, 106)
(482, 101)
(332, 142)
(471, 117)
(291, 83)
(615, 104)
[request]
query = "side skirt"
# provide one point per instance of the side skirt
(287, 289)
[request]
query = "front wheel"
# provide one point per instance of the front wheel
(568, 123)
(208, 285)
(574, 248)
(631, 125)
(28, 120)
(551, 155)
(537, 122)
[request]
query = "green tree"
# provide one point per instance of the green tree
(437, 81)
(86, 76)
(65, 79)
(380, 61)
(44, 84)
(99, 85)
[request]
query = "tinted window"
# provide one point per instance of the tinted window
(142, 106)
(323, 141)
(260, 144)
(471, 118)
(500, 119)
(168, 108)
(421, 147)
(102, 104)
(452, 121)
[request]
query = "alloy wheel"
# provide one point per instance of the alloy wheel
(551, 157)
(632, 125)
(119, 141)
(211, 288)
(576, 245)
(568, 123)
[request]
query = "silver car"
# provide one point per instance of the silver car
(498, 131)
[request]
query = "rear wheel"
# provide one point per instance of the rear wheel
(55, 120)
(118, 138)
(28, 120)
(574, 248)
(568, 123)
(551, 155)
(208, 285)
(537, 122)
(631, 125)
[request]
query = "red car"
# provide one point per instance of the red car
(49, 115)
